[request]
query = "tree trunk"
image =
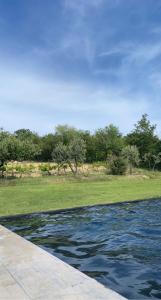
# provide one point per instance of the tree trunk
(130, 167)
(74, 170)
(154, 165)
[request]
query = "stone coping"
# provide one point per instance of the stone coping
(29, 272)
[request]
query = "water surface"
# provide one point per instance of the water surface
(118, 245)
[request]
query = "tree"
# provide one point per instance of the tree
(90, 140)
(131, 154)
(27, 134)
(72, 154)
(48, 142)
(76, 152)
(13, 149)
(59, 154)
(8, 149)
(108, 140)
(153, 160)
(143, 136)
(27, 137)
(27, 150)
(65, 133)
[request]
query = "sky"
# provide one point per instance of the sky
(85, 63)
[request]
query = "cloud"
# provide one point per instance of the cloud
(145, 53)
(40, 104)
(87, 63)
(134, 53)
(81, 7)
(123, 48)
(132, 65)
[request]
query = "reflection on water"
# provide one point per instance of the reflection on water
(119, 245)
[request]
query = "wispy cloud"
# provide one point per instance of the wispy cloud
(86, 63)
(82, 7)
(135, 53)
(47, 103)
(132, 64)
(145, 53)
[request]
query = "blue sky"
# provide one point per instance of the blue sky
(87, 63)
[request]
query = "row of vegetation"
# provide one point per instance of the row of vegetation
(69, 147)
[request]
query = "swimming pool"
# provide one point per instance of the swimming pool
(118, 245)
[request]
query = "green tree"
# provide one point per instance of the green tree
(65, 133)
(152, 160)
(8, 149)
(27, 150)
(13, 149)
(108, 140)
(27, 134)
(76, 152)
(131, 154)
(90, 140)
(143, 136)
(71, 154)
(48, 142)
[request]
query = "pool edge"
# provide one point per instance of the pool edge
(29, 272)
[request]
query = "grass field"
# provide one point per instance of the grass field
(58, 192)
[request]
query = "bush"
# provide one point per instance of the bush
(2, 170)
(46, 168)
(118, 165)
(30, 168)
(21, 169)
(10, 168)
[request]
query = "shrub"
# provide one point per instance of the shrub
(2, 170)
(46, 168)
(30, 168)
(21, 169)
(118, 165)
(10, 168)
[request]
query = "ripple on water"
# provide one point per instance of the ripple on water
(119, 245)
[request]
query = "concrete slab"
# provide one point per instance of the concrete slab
(29, 272)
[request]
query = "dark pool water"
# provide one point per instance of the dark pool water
(119, 245)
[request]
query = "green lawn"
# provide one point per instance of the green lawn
(49, 193)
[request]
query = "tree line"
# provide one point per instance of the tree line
(68, 146)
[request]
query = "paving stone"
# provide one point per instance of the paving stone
(28, 272)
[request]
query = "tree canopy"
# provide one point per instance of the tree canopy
(144, 138)
(108, 140)
(11, 148)
(105, 142)
(72, 154)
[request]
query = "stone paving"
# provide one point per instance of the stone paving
(29, 272)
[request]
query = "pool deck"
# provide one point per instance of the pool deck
(29, 272)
